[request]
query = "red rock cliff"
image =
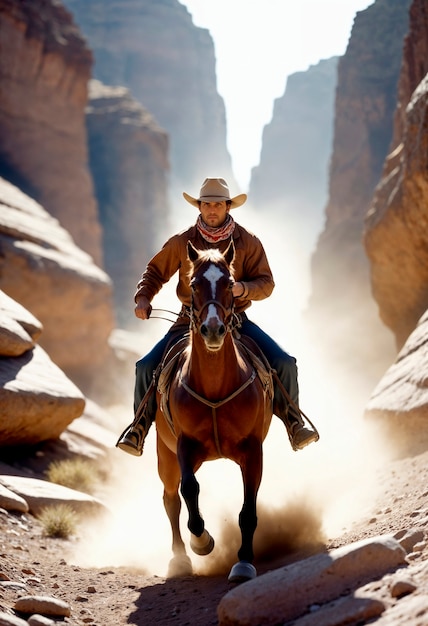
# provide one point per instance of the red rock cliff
(365, 103)
(168, 64)
(44, 69)
(396, 237)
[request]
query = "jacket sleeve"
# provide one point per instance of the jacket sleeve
(160, 269)
(255, 272)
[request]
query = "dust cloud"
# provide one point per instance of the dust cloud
(306, 497)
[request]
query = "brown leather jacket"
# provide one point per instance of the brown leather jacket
(251, 266)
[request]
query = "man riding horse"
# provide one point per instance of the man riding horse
(214, 228)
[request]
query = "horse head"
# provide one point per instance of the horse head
(211, 282)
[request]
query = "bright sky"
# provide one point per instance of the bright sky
(258, 43)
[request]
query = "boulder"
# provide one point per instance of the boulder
(43, 270)
(399, 402)
(37, 400)
(40, 494)
(11, 501)
(288, 592)
(17, 314)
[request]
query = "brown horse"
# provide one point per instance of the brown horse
(217, 408)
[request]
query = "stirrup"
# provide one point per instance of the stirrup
(132, 440)
(300, 436)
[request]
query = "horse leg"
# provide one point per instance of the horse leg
(189, 456)
(251, 469)
(169, 473)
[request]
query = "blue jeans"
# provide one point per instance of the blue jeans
(284, 364)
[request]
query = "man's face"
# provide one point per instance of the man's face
(214, 213)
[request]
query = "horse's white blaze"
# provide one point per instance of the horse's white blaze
(212, 314)
(213, 274)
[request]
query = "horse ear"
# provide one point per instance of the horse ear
(229, 253)
(192, 252)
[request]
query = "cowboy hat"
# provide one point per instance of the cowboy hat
(215, 190)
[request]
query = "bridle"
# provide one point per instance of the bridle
(230, 319)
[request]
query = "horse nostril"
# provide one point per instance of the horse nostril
(222, 330)
(204, 330)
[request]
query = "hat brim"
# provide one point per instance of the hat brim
(234, 202)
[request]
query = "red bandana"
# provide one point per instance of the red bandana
(213, 235)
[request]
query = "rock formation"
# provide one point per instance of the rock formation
(129, 163)
(37, 400)
(43, 270)
(308, 590)
(291, 180)
(365, 103)
(396, 241)
(154, 49)
(44, 69)
(396, 235)
(399, 402)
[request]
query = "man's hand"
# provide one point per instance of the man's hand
(238, 289)
(143, 308)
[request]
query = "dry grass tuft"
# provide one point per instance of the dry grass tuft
(59, 521)
(77, 473)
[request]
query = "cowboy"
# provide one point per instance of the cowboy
(214, 228)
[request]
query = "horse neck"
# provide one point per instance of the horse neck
(215, 374)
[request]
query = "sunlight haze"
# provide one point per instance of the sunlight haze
(258, 43)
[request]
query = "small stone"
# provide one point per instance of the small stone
(11, 584)
(40, 620)
(91, 589)
(6, 619)
(45, 605)
(402, 587)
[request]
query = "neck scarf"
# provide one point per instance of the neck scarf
(212, 234)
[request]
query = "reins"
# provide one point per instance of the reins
(291, 401)
(161, 317)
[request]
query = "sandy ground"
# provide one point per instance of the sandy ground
(109, 581)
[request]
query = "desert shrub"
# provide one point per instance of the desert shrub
(58, 520)
(76, 473)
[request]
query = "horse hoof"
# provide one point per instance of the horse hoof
(241, 572)
(202, 545)
(180, 566)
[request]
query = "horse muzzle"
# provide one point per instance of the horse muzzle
(213, 335)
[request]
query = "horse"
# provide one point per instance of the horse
(217, 407)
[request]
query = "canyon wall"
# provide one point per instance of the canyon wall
(291, 179)
(44, 70)
(128, 154)
(154, 49)
(396, 228)
(364, 111)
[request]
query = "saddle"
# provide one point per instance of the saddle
(170, 360)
